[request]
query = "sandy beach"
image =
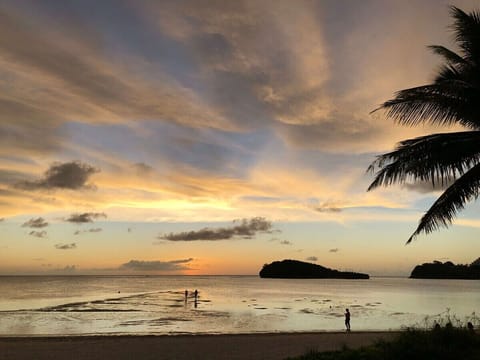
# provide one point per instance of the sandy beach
(242, 346)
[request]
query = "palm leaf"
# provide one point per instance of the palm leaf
(467, 33)
(428, 158)
(446, 103)
(453, 98)
(450, 56)
(442, 212)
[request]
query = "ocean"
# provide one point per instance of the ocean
(118, 305)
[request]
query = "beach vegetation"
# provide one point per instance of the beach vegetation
(441, 343)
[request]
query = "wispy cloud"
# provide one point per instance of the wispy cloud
(35, 223)
(93, 230)
(71, 175)
(328, 207)
(246, 228)
(85, 217)
(312, 258)
(335, 250)
(39, 234)
(68, 269)
(285, 242)
(425, 187)
(66, 246)
(142, 169)
(157, 265)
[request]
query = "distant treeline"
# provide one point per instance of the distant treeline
(294, 269)
(446, 270)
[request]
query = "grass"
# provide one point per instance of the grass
(440, 344)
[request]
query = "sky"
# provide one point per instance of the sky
(212, 137)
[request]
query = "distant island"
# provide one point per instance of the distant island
(447, 270)
(294, 269)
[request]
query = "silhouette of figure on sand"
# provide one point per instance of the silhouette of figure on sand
(347, 319)
(186, 295)
(470, 327)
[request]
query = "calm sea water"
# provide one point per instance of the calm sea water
(102, 305)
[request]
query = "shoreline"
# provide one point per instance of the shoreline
(268, 346)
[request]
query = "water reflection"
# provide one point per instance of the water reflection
(227, 304)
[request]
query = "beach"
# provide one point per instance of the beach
(270, 346)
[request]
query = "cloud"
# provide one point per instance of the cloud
(2, 220)
(71, 175)
(93, 230)
(328, 207)
(425, 187)
(312, 258)
(141, 265)
(247, 228)
(142, 168)
(66, 246)
(67, 269)
(285, 242)
(129, 230)
(66, 75)
(335, 250)
(39, 234)
(35, 223)
(85, 217)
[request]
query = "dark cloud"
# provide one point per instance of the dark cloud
(285, 242)
(39, 234)
(246, 228)
(93, 230)
(312, 258)
(129, 230)
(85, 217)
(172, 265)
(2, 219)
(142, 168)
(71, 175)
(334, 250)
(66, 246)
(328, 207)
(35, 223)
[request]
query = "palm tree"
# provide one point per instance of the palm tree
(452, 98)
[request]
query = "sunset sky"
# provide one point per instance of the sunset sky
(211, 137)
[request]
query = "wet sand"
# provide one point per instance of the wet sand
(241, 346)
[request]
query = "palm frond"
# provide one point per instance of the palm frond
(450, 74)
(428, 158)
(450, 56)
(442, 212)
(443, 103)
(467, 32)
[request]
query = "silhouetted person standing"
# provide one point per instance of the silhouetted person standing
(196, 298)
(347, 319)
